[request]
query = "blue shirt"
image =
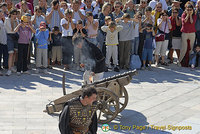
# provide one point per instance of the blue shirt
(148, 42)
(42, 38)
(55, 18)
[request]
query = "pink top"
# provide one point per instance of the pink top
(188, 27)
(91, 30)
(30, 6)
(24, 35)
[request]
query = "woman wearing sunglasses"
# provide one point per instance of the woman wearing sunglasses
(164, 25)
(188, 30)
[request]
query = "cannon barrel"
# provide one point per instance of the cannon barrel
(115, 77)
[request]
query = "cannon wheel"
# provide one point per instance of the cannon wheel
(123, 99)
(107, 105)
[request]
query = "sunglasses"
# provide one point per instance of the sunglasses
(117, 6)
(175, 12)
(189, 9)
(159, 7)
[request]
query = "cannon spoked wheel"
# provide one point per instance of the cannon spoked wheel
(107, 105)
(123, 99)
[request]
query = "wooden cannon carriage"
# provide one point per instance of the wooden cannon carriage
(112, 96)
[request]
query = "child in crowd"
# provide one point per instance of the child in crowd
(125, 37)
(42, 36)
(3, 43)
(92, 28)
(79, 30)
(147, 53)
(25, 31)
(194, 55)
(55, 39)
(135, 33)
(112, 31)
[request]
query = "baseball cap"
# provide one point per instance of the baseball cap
(24, 18)
(42, 24)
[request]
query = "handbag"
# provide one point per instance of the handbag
(135, 62)
(160, 37)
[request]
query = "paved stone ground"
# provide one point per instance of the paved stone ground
(162, 97)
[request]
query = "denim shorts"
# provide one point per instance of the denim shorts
(147, 54)
(11, 44)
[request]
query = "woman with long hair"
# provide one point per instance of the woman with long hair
(10, 24)
(188, 29)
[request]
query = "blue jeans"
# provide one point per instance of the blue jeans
(135, 45)
(193, 60)
(198, 37)
(4, 54)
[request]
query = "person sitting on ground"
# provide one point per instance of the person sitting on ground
(193, 57)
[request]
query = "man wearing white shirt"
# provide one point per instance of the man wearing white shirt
(153, 3)
(164, 4)
(77, 14)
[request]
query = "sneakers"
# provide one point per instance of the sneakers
(45, 71)
(149, 68)
(9, 72)
(143, 68)
(116, 69)
(13, 70)
(26, 72)
(18, 73)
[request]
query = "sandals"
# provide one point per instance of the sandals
(164, 64)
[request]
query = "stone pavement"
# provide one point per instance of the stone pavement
(158, 100)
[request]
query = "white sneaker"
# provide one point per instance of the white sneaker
(45, 71)
(18, 73)
(26, 72)
(37, 71)
(8, 73)
(13, 69)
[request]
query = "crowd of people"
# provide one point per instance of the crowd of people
(120, 29)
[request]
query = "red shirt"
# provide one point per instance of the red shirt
(173, 23)
(188, 27)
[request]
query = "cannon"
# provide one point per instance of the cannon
(112, 96)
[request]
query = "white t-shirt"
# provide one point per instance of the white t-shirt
(166, 30)
(69, 31)
(135, 32)
(77, 16)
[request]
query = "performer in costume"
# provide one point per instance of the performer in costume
(92, 59)
(79, 114)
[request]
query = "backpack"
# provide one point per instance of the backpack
(135, 62)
